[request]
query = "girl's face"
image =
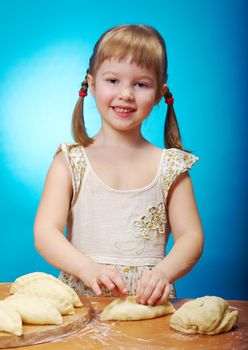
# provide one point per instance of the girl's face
(124, 93)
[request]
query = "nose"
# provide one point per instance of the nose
(126, 93)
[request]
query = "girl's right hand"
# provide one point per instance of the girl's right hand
(96, 275)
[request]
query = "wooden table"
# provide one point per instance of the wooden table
(145, 335)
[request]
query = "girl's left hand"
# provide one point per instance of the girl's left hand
(153, 288)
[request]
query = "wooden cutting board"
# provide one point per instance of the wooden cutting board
(36, 334)
(153, 334)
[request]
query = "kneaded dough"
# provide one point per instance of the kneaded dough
(129, 309)
(34, 310)
(10, 320)
(205, 315)
(39, 283)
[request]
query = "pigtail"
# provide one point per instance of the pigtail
(78, 126)
(172, 136)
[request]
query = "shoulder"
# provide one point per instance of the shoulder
(178, 160)
(65, 155)
(175, 165)
(58, 178)
(71, 160)
(70, 153)
(69, 148)
(153, 152)
(59, 165)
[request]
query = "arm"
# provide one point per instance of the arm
(48, 232)
(188, 243)
(51, 219)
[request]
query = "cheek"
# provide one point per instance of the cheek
(102, 87)
(103, 95)
(147, 101)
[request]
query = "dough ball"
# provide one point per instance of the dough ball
(206, 315)
(128, 309)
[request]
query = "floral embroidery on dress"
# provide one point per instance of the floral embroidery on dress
(148, 228)
(175, 162)
(78, 166)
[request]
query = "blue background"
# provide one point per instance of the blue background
(45, 47)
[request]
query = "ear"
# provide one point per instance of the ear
(163, 90)
(90, 81)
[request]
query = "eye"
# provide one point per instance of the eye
(112, 81)
(141, 85)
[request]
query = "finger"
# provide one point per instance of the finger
(114, 283)
(157, 293)
(118, 293)
(118, 282)
(142, 283)
(96, 289)
(106, 281)
(164, 297)
(151, 286)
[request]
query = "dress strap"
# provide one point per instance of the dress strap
(175, 162)
(77, 163)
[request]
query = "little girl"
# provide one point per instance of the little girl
(119, 195)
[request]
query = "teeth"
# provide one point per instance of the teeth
(122, 110)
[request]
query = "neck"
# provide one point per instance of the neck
(121, 139)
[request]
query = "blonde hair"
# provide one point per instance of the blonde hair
(148, 49)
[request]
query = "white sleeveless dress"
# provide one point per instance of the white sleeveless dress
(124, 228)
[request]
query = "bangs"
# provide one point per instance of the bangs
(139, 44)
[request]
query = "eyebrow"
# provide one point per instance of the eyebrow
(138, 77)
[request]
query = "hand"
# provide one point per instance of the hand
(153, 287)
(96, 275)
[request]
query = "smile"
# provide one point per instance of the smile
(123, 110)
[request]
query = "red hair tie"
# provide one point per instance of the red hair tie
(169, 101)
(82, 93)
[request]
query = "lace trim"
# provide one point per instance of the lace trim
(77, 162)
(175, 162)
